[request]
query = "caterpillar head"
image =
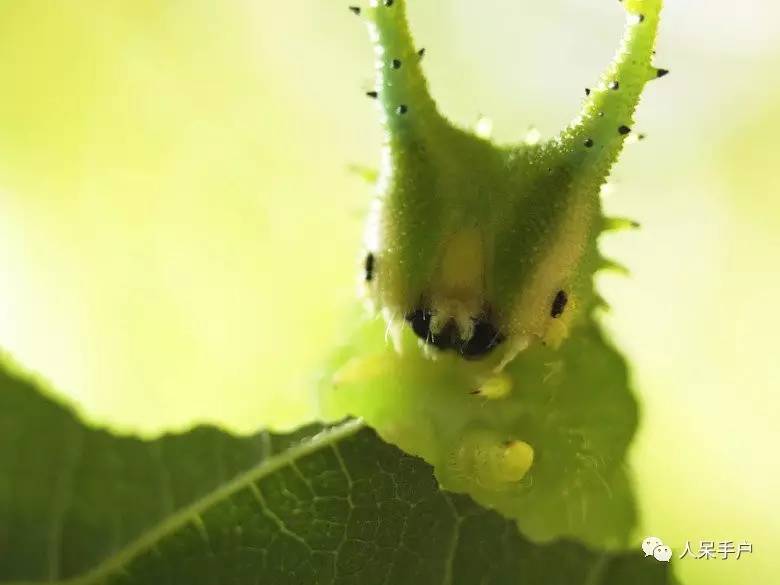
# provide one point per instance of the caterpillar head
(482, 250)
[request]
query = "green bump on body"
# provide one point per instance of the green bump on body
(483, 259)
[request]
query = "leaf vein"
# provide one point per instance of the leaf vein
(63, 497)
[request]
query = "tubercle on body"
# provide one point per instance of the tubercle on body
(494, 464)
(472, 244)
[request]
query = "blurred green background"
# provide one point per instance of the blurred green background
(179, 231)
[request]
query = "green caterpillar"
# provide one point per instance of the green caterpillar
(480, 260)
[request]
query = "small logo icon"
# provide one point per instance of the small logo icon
(662, 553)
(649, 544)
(653, 546)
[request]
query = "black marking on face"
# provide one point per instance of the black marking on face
(402, 109)
(587, 91)
(372, 94)
(614, 85)
(661, 72)
(355, 9)
(395, 63)
(484, 339)
(421, 53)
(420, 322)
(559, 304)
(624, 130)
(588, 142)
(389, 3)
(640, 18)
(369, 266)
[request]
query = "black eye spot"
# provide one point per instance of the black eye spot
(395, 64)
(402, 109)
(559, 304)
(420, 322)
(372, 94)
(624, 130)
(389, 2)
(588, 142)
(614, 85)
(369, 267)
(587, 91)
(354, 9)
(661, 72)
(421, 53)
(486, 337)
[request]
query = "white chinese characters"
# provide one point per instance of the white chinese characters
(723, 550)
(707, 550)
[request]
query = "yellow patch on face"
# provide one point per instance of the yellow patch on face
(458, 289)
(556, 332)
(461, 274)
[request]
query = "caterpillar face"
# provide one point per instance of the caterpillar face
(481, 250)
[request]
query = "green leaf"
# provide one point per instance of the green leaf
(337, 505)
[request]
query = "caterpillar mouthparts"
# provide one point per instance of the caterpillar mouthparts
(475, 342)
